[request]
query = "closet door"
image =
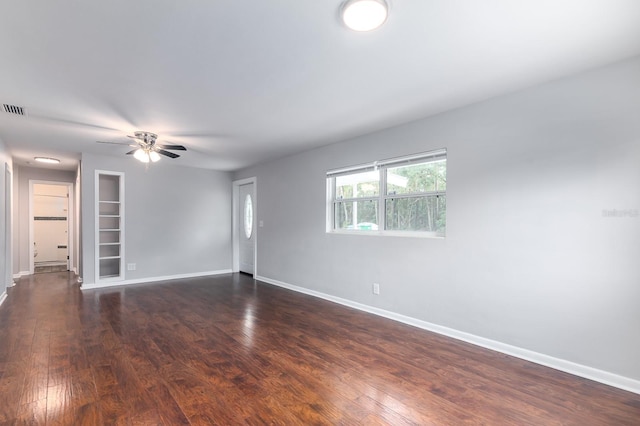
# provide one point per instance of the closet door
(109, 226)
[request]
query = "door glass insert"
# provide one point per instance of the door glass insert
(248, 216)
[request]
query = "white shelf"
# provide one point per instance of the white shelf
(110, 211)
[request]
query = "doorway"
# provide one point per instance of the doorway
(244, 226)
(51, 226)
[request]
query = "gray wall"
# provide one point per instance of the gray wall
(21, 177)
(529, 258)
(177, 219)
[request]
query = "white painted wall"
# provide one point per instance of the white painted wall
(21, 177)
(529, 259)
(177, 219)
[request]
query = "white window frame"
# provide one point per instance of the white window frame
(382, 197)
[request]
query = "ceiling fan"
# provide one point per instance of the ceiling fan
(147, 149)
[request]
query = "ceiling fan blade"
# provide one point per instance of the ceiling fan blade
(175, 147)
(132, 151)
(68, 121)
(167, 153)
(115, 143)
(201, 134)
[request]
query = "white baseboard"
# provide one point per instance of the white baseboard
(580, 370)
(21, 274)
(153, 279)
(3, 297)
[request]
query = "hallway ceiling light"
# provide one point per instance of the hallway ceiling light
(47, 160)
(364, 15)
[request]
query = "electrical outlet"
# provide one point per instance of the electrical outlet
(376, 288)
(131, 266)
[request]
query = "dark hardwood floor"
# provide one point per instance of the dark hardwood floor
(227, 350)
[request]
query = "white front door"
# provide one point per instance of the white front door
(246, 228)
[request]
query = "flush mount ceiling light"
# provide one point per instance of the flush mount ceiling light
(364, 15)
(47, 160)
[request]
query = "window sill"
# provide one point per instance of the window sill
(410, 234)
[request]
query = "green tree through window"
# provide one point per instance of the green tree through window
(415, 198)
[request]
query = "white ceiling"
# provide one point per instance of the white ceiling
(242, 81)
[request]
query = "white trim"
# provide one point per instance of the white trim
(406, 159)
(8, 231)
(153, 279)
(3, 297)
(386, 233)
(235, 237)
(21, 274)
(70, 220)
(580, 370)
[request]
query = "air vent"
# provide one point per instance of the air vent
(14, 109)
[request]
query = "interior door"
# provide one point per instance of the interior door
(51, 225)
(246, 231)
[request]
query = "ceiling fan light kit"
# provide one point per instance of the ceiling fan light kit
(364, 15)
(146, 156)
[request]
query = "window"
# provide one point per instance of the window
(248, 216)
(401, 196)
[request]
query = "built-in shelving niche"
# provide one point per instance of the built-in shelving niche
(109, 226)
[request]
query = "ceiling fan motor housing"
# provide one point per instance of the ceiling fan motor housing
(147, 137)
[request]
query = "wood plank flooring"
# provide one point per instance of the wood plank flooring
(228, 350)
